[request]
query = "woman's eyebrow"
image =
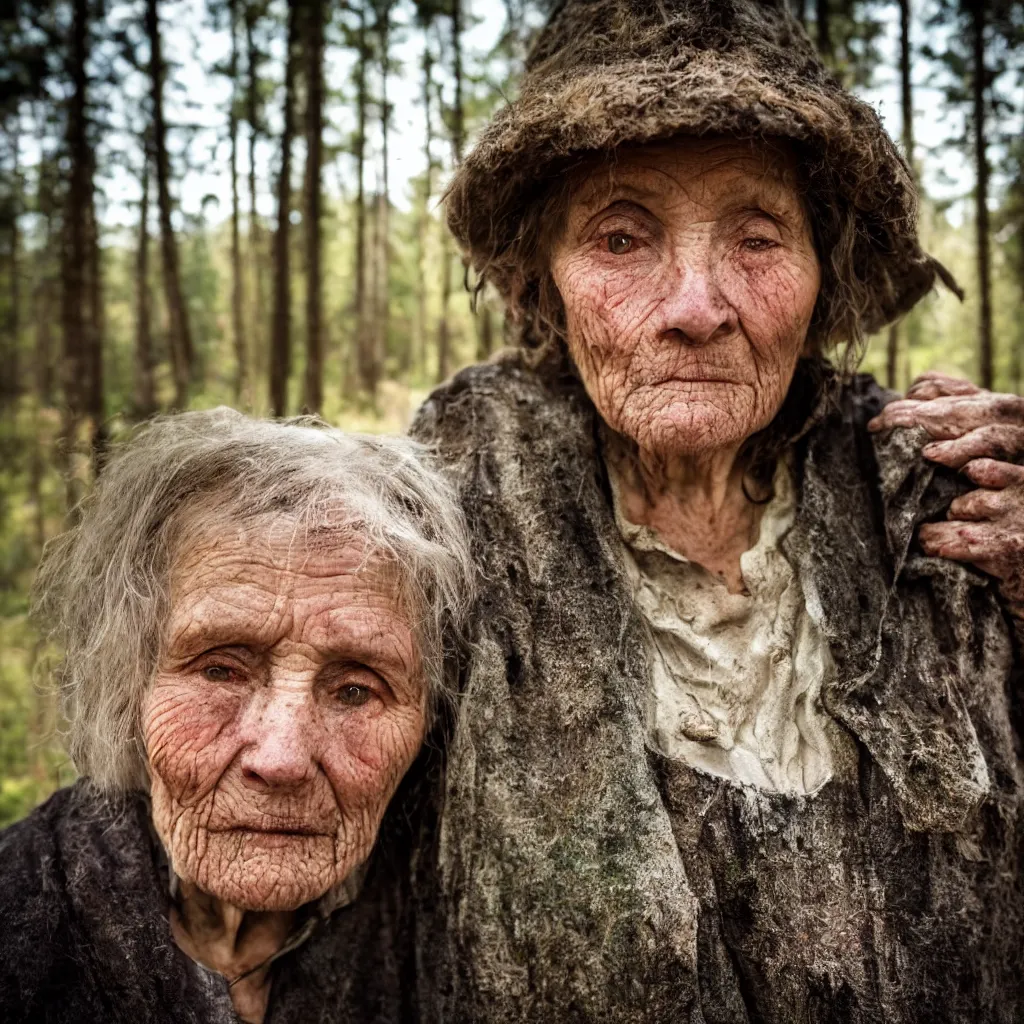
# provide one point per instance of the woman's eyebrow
(598, 198)
(212, 623)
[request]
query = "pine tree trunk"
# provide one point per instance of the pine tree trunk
(485, 329)
(74, 254)
(11, 386)
(457, 132)
(823, 33)
(237, 328)
(368, 369)
(978, 86)
(313, 391)
(458, 115)
(280, 342)
(907, 108)
(13, 368)
(257, 345)
(44, 289)
(423, 219)
(42, 356)
(145, 391)
(95, 405)
(443, 335)
(383, 283)
(177, 315)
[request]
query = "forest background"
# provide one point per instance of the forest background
(236, 202)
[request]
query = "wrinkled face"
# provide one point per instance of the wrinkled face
(287, 705)
(689, 277)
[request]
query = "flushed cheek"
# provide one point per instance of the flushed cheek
(368, 756)
(774, 305)
(190, 738)
(607, 311)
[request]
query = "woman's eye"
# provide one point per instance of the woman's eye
(353, 696)
(758, 244)
(219, 673)
(619, 243)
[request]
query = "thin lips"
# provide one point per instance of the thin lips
(701, 380)
(287, 829)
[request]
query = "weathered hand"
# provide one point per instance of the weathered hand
(986, 528)
(980, 433)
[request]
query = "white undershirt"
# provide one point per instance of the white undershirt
(736, 678)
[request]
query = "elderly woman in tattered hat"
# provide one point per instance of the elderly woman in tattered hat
(740, 739)
(253, 617)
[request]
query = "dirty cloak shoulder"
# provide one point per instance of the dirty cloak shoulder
(85, 934)
(571, 899)
(564, 894)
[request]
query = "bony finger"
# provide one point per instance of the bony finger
(976, 505)
(963, 542)
(949, 453)
(996, 441)
(994, 474)
(943, 384)
(901, 413)
(925, 391)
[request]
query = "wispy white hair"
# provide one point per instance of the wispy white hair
(102, 589)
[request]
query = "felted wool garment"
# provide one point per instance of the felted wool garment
(583, 877)
(85, 937)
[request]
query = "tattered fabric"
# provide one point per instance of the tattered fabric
(583, 878)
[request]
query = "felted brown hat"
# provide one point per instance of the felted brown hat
(603, 73)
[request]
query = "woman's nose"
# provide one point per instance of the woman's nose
(696, 312)
(280, 749)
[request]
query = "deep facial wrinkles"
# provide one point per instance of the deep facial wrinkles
(687, 342)
(269, 781)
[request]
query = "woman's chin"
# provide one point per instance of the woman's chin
(269, 873)
(249, 894)
(691, 429)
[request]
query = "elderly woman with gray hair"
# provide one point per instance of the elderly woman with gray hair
(254, 618)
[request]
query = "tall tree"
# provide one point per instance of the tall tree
(979, 84)
(907, 137)
(46, 284)
(74, 248)
(382, 227)
(180, 335)
(280, 341)
(823, 28)
(981, 43)
(237, 280)
(145, 391)
(1013, 219)
(423, 212)
(456, 128)
(10, 353)
(369, 369)
(95, 398)
(312, 195)
(484, 326)
(253, 112)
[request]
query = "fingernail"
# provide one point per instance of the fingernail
(931, 449)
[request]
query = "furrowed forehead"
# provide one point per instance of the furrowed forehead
(693, 167)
